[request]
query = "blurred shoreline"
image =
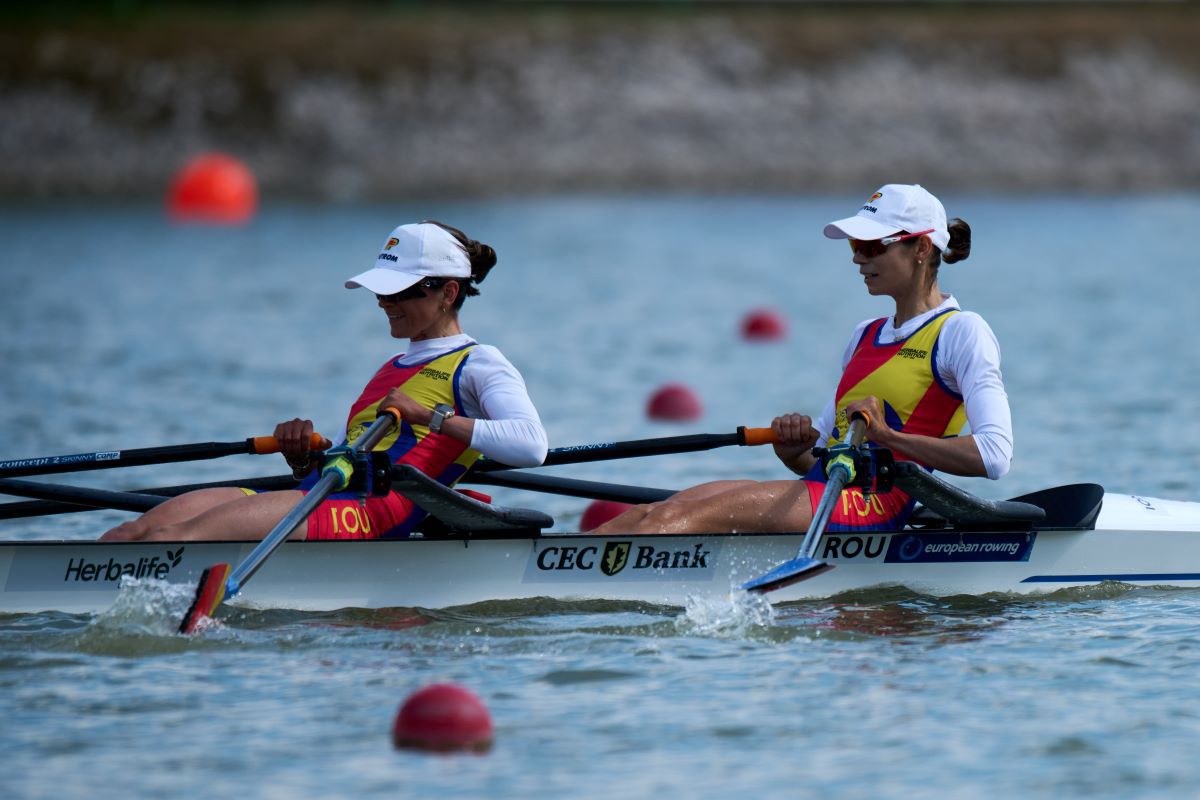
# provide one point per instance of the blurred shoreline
(371, 103)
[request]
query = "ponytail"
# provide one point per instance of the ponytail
(481, 256)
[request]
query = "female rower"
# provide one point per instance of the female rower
(918, 375)
(458, 399)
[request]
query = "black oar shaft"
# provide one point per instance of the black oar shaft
(39, 508)
(79, 462)
(80, 496)
(635, 448)
(169, 454)
(572, 487)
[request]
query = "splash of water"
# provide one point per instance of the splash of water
(731, 616)
(146, 607)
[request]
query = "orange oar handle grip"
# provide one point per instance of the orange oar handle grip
(754, 436)
(392, 412)
(856, 436)
(267, 444)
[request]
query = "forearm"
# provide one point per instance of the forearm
(799, 463)
(516, 442)
(957, 455)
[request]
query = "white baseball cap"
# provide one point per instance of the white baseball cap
(411, 253)
(894, 208)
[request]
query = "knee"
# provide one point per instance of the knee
(663, 517)
(131, 531)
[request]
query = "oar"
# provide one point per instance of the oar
(218, 582)
(77, 496)
(571, 455)
(583, 453)
(107, 459)
(571, 487)
(77, 499)
(838, 472)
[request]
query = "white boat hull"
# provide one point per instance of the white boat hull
(1136, 540)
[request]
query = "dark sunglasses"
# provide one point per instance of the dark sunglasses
(414, 292)
(870, 248)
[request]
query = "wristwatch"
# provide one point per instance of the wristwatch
(441, 413)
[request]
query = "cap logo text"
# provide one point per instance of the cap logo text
(392, 242)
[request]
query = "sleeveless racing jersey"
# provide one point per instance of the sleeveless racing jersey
(903, 375)
(441, 457)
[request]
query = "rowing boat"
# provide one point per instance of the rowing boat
(1062, 537)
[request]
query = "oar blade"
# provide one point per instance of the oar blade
(798, 569)
(209, 595)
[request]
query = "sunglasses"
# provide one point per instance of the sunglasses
(414, 292)
(869, 248)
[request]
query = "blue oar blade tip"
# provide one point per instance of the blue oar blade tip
(787, 573)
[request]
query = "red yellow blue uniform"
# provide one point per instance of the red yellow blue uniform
(341, 516)
(903, 376)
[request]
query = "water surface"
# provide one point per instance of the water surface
(122, 331)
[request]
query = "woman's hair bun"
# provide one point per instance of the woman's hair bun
(960, 241)
(481, 256)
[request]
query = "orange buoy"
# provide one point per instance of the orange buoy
(213, 188)
(674, 402)
(600, 512)
(763, 325)
(443, 717)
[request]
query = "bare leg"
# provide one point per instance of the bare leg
(768, 506)
(221, 514)
(628, 520)
(177, 509)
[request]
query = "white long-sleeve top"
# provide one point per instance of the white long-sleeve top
(507, 426)
(968, 362)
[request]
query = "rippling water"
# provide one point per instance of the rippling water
(121, 331)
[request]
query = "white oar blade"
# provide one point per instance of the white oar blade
(798, 569)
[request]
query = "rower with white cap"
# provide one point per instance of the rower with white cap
(458, 399)
(918, 376)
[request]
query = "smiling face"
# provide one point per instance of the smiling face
(428, 317)
(890, 273)
(898, 271)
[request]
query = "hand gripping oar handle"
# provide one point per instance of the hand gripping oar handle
(108, 459)
(261, 445)
(215, 587)
(838, 472)
(665, 445)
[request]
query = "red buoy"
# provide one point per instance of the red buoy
(763, 325)
(674, 402)
(600, 512)
(213, 188)
(443, 717)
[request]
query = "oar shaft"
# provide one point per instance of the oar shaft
(829, 499)
(108, 459)
(80, 496)
(636, 448)
(40, 508)
(836, 479)
(572, 487)
(327, 484)
(280, 532)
